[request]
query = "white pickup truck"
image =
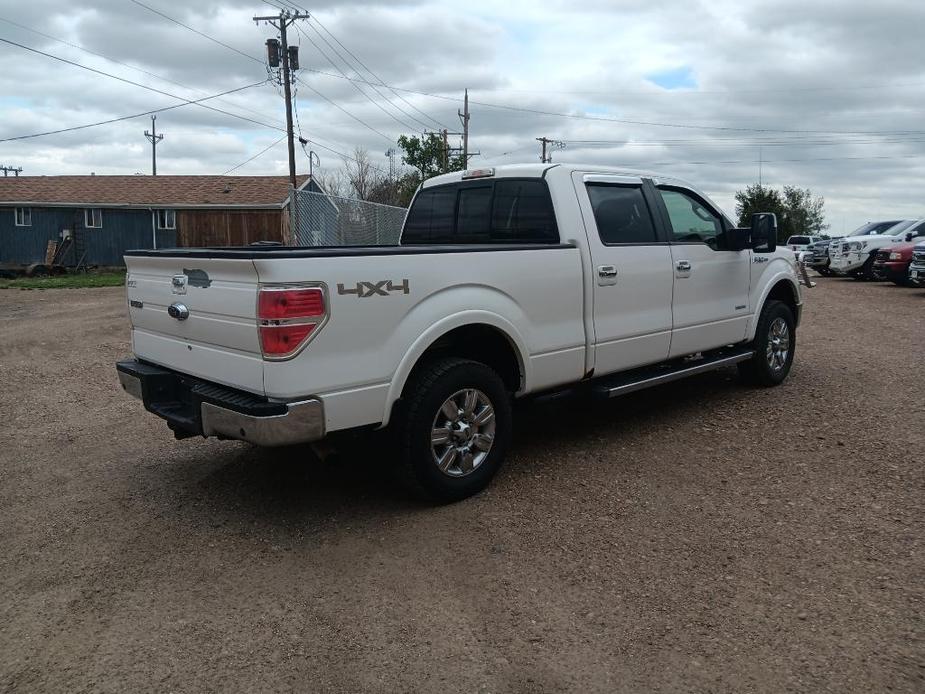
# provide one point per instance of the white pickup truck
(507, 282)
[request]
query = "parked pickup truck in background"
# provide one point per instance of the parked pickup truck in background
(507, 282)
(917, 267)
(817, 256)
(855, 255)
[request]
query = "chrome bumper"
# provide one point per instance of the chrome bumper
(303, 422)
(192, 407)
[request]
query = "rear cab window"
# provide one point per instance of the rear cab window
(503, 210)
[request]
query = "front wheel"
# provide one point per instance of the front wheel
(774, 344)
(455, 429)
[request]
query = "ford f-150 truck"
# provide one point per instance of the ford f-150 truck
(506, 282)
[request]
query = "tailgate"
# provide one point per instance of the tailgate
(217, 339)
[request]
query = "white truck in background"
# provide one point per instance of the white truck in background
(855, 255)
(507, 282)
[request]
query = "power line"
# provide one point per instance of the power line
(121, 63)
(522, 109)
(375, 76)
(129, 117)
(200, 33)
(138, 84)
(341, 108)
(354, 84)
(247, 55)
(248, 161)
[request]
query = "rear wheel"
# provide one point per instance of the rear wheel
(455, 429)
(774, 344)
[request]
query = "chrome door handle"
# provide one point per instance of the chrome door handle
(606, 275)
(683, 266)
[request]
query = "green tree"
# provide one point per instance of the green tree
(426, 155)
(798, 210)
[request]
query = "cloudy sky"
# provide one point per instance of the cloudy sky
(827, 95)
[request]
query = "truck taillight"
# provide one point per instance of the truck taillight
(287, 318)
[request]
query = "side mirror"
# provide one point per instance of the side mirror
(764, 232)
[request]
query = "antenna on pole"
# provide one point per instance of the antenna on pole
(153, 138)
(390, 153)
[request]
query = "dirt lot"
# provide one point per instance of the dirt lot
(699, 537)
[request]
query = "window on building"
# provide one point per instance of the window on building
(166, 219)
(23, 216)
(93, 218)
(621, 214)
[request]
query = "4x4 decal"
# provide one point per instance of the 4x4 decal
(382, 288)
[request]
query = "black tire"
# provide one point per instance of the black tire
(759, 370)
(824, 271)
(430, 387)
(867, 270)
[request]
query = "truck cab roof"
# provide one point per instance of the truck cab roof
(533, 170)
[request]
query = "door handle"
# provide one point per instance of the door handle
(683, 266)
(606, 275)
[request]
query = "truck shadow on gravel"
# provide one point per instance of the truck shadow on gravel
(356, 478)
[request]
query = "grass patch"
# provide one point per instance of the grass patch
(78, 281)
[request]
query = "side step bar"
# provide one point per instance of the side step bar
(638, 379)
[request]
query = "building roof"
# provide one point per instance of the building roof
(147, 191)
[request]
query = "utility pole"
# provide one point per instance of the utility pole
(464, 117)
(446, 151)
(153, 138)
(7, 170)
(390, 153)
(545, 157)
(282, 52)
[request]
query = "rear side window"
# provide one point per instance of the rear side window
(621, 214)
(522, 213)
(502, 211)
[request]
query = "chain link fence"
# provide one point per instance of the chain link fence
(327, 220)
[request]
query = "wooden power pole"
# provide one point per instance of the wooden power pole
(286, 57)
(153, 138)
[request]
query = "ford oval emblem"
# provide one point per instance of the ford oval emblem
(178, 311)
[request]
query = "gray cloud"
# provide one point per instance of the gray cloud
(783, 65)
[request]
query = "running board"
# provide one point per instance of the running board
(638, 379)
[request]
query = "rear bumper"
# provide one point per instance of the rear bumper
(194, 407)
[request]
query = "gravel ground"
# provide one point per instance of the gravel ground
(698, 537)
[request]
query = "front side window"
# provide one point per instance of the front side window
(691, 220)
(93, 218)
(23, 216)
(621, 214)
(166, 219)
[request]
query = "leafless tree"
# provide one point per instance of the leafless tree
(333, 182)
(362, 175)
